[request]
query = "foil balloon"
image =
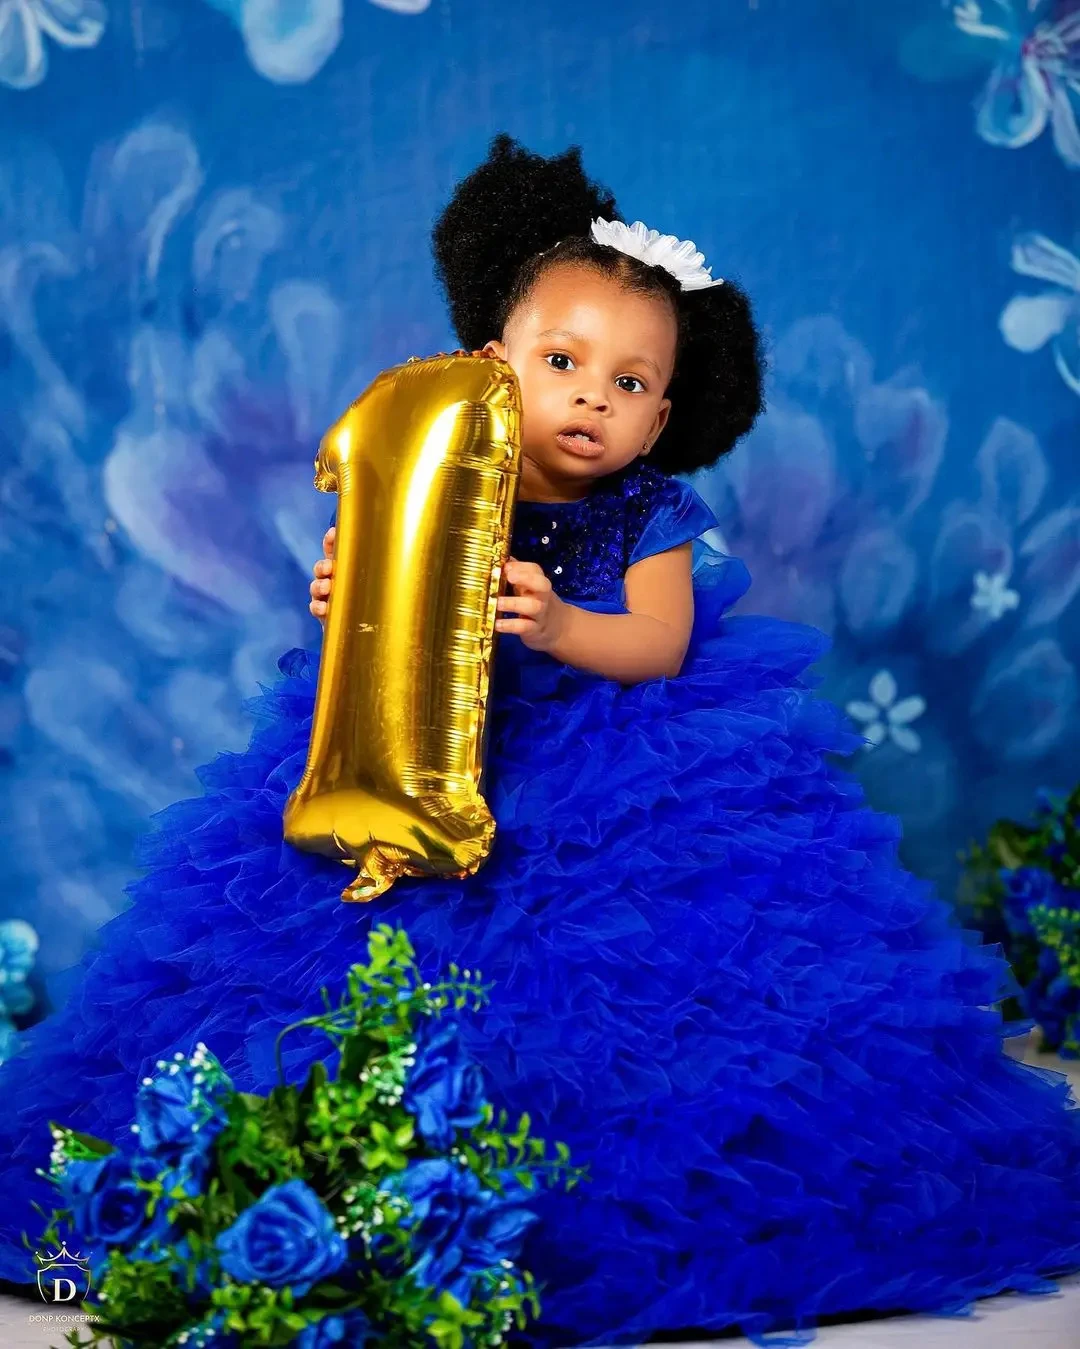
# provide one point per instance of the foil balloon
(426, 464)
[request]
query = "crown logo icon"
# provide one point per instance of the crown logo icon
(62, 1276)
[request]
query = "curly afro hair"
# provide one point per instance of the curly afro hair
(517, 214)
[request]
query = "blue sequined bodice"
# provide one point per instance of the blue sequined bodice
(585, 546)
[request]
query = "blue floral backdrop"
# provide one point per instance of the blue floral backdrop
(214, 221)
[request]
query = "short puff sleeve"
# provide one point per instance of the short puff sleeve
(678, 515)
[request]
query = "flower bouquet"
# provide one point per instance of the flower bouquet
(385, 1204)
(1022, 889)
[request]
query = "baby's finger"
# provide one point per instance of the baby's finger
(324, 568)
(319, 589)
(318, 608)
(529, 574)
(518, 625)
(519, 604)
(328, 541)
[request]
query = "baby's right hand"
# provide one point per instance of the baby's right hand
(323, 571)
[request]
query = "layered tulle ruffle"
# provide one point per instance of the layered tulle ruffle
(773, 1046)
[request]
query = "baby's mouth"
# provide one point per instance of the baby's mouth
(581, 438)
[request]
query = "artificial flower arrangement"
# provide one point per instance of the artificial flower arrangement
(382, 1206)
(1022, 888)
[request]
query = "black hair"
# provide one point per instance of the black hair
(518, 213)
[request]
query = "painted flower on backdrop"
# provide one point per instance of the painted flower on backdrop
(992, 595)
(887, 717)
(24, 26)
(289, 41)
(860, 456)
(1035, 80)
(997, 562)
(1052, 316)
(217, 366)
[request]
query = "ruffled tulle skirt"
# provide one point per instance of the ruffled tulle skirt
(772, 1045)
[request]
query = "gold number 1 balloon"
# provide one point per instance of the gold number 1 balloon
(426, 464)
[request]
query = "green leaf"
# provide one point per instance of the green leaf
(316, 1079)
(1011, 844)
(93, 1147)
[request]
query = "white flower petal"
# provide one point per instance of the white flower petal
(1015, 105)
(907, 709)
(72, 23)
(1028, 322)
(906, 739)
(861, 711)
(289, 41)
(680, 257)
(992, 596)
(875, 733)
(22, 52)
(883, 688)
(1036, 255)
(1065, 370)
(1063, 123)
(968, 17)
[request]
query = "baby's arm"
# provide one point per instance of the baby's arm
(646, 643)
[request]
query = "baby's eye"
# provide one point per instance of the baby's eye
(634, 379)
(559, 356)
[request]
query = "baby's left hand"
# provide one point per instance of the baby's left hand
(543, 614)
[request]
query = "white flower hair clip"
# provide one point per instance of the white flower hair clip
(680, 257)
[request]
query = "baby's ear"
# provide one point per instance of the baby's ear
(496, 348)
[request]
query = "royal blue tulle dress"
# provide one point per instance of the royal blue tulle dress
(774, 1047)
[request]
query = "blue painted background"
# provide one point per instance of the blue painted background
(214, 225)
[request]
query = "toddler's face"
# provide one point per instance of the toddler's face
(591, 358)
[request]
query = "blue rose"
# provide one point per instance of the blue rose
(352, 1329)
(1053, 1001)
(176, 1114)
(107, 1206)
(1025, 888)
(458, 1227)
(286, 1238)
(444, 1089)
